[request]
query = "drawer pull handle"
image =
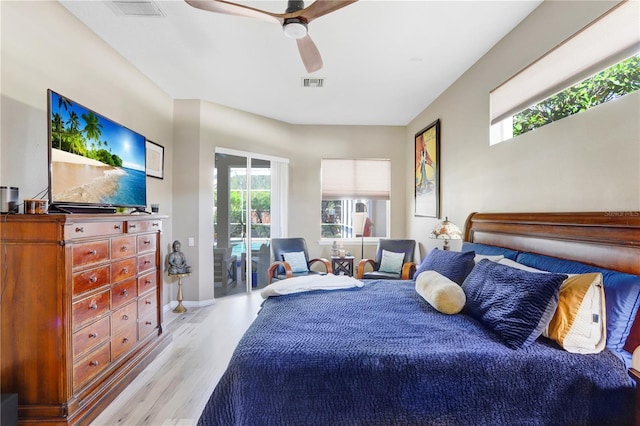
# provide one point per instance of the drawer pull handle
(125, 292)
(148, 281)
(116, 226)
(125, 317)
(146, 262)
(125, 248)
(147, 242)
(133, 226)
(93, 279)
(93, 305)
(147, 322)
(94, 363)
(79, 229)
(93, 335)
(125, 270)
(93, 252)
(147, 302)
(125, 340)
(155, 224)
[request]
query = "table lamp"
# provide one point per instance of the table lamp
(446, 231)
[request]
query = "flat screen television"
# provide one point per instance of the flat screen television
(95, 164)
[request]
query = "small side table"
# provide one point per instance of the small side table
(342, 265)
(180, 309)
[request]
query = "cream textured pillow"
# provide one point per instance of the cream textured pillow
(443, 294)
(578, 324)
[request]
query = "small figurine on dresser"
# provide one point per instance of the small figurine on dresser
(177, 261)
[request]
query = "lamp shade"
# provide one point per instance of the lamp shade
(446, 230)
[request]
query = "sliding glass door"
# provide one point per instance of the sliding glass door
(249, 209)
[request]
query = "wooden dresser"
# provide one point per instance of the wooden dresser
(81, 310)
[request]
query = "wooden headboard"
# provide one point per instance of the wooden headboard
(609, 240)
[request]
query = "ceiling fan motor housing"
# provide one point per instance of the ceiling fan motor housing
(294, 6)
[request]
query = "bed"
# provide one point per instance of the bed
(380, 355)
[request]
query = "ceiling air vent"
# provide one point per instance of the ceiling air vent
(312, 82)
(137, 8)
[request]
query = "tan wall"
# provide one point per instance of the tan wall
(587, 162)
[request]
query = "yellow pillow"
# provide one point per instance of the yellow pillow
(579, 323)
(441, 293)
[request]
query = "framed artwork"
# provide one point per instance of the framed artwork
(427, 173)
(155, 160)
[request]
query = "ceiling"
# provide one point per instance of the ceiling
(384, 61)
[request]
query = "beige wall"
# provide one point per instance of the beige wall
(587, 162)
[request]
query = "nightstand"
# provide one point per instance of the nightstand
(342, 265)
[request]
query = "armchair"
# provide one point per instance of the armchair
(393, 267)
(291, 259)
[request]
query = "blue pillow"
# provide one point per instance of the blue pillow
(297, 261)
(621, 293)
(452, 264)
(514, 304)
(489, 250)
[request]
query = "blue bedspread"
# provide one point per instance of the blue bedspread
(381, 355)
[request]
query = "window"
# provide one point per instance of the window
(355, 198)
(555, 86)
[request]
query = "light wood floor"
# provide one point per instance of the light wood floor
(175, 387)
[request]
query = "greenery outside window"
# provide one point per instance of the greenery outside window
(596, 65)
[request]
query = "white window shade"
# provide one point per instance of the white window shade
(609, 39)
(368, 179)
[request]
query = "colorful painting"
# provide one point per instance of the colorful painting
(427, 171)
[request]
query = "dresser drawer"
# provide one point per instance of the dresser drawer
(91, 279)
(90, 366)
(123, 247)
(87, 310)
(147, 325)
(146, 243)
(91, 336)
(147, 282)
(137, 226)
(90, 253)
(124, 340)
(147, 304)
(93, 229)
(123, 318)
(123, 269)
(124, 292)
(146, 262)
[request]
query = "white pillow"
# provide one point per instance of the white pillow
(297, 261)
(493, 258)
(579, 323)
(391, 262)
(440, 292)
(517, 265)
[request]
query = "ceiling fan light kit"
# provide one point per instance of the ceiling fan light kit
(294, 28)
(294, 21)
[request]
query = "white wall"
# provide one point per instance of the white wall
(587, 162)
(45, 47)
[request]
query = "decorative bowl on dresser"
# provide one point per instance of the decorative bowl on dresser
(81, 310)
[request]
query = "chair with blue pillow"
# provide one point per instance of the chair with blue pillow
(393, 261)
(291, 259)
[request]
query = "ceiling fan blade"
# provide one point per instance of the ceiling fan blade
(309, 53)
(229, 8)
(322, 7)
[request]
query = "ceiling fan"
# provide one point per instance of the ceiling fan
(294, 21)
